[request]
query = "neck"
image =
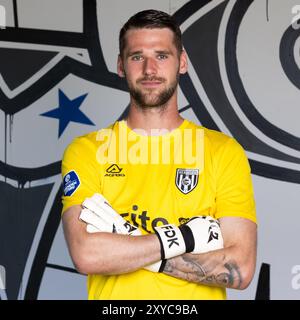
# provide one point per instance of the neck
(164, 117)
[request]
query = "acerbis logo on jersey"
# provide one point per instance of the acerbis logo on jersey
(186, 179)
(114, 171)
(71, 183)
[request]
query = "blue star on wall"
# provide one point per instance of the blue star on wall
(67, 111)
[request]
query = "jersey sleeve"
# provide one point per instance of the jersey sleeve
(234, 190)
(80, 172)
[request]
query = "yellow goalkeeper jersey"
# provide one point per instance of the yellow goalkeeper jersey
(151, 180)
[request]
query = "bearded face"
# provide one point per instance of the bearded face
(152, 92)
(151, 64)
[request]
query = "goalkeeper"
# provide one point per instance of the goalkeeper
(158, 225)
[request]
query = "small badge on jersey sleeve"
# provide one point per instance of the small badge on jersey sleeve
(71, 182)
(186, 179)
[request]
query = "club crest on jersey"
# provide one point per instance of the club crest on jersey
(71, 182)
(186, 179)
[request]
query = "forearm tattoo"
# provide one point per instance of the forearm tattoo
(205, 270)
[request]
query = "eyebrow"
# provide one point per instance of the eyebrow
(164, 52)
(130, 54)
(167, 52)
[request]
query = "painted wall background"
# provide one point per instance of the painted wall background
(58, 80)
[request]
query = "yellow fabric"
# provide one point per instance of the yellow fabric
(147, 195)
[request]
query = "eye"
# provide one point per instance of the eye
(162, 56)
(136, 58)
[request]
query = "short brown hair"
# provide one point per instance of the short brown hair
(151, 19)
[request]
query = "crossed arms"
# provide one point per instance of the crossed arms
(110, 253)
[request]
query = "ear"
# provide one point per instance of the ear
(120, 67)
(183, 64)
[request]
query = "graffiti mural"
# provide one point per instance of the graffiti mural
(58, 80)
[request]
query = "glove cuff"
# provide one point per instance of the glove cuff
(157, 266)
(162, 265)
(172, 243)
(188, 237)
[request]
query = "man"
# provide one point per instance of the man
(151, 189)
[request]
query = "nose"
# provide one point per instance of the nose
(150, 67)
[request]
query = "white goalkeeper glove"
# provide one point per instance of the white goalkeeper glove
(101, 217)
(200, 234)
(105, 218)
